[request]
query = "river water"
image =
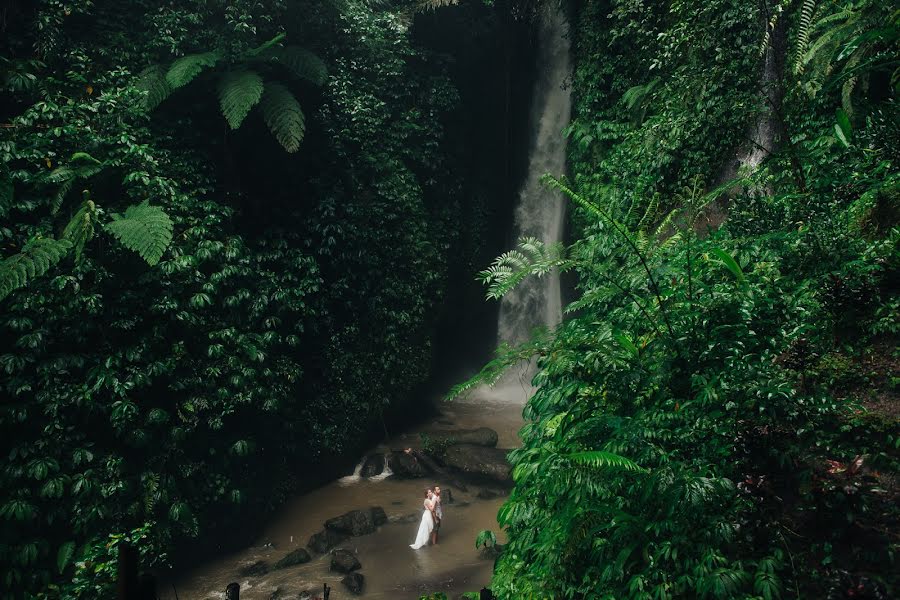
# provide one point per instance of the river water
(391, 568)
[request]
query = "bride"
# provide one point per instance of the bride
(427, 524)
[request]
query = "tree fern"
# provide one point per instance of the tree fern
(283, 115)
(34, 260)
(239, 91)
(152, 81)
(143, 228)
(186, 68)
(80, 229)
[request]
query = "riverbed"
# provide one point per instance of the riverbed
(390, 567)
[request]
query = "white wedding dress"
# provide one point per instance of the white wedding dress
(425, 528)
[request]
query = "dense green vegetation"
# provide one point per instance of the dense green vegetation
(226, 231)
(717, 417)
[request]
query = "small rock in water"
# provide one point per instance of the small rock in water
(258, 568)
(344, 561)
(354, 582)
(373, 465)
(296, 557)
(397, 503)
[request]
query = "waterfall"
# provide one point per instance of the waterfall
(348, 479)
(537, 302)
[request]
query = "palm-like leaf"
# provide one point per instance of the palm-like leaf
(34, 260)
(283, 115)
(239, 91)
(186, 68)
(301, 63)
(143, 228)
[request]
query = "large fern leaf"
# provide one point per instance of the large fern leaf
(301, 63)
(152, 81)
(239, 91)
(599, 459)
(186, 68)
(80, 229)
(6, 195)
(34, 260)
(143, 228)
(283, 115)
(509, 269)
(803, 31)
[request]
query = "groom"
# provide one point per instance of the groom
(438, 513)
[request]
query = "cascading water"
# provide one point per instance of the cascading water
(536, 302)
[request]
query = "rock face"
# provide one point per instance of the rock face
(344, 561)
(354, 582)
(373, 465)
(479, 462)
(297, 557)
(406, 466)
(357, 522)
(483, 436)
(325, 540)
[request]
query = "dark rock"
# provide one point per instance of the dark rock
(480, 462)
(373, 465)
(446, 496)
(357, 522)
(325, 540)
(406, 466)
(354, 582)
(491, 552)
(296, 557)
(344, 561)
(304, 595)
(278, 594)
(258, 568)
(410, 518)
(397, 503)
(483, 436)
(490, 493)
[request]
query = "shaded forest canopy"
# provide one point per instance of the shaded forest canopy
(237, 238)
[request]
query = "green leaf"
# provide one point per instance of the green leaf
(80, 229)
(266, 45)
(485, 538)
(842, 128)
(152, 81)
(143, 228)
(728, 261)
(35, 259)
(301, 63)
(626, 343)
(239, 91)
(186, 68)
(283, 115)
(64, 555)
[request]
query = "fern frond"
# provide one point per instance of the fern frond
(424, 5)
(80, 228)
(34, 260)
(239, 91)
(7, 195)
(283, 115)
(152, 81)
(186, 68)
(60, 195)
(506, 356)
(301, 63)
(803, 31)
(143, 228)
(533, 257)
(599, 459)
(266, 45)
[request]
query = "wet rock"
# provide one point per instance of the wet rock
(279, 594)
(296, 557)
(324, 541)
(354, 582)
(483, 436)
(373, 465)
(490, 493)
(397, 503)
(410, 518)
(344, 561)
(406, 466)
(357, 522)
(447, 496)
(258, 568)
(491, 552)
(304, 595)
(480, 462)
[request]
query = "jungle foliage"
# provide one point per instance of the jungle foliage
(717, 415)
(196, 309)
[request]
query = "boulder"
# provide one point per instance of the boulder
(354, 582)
(258, 568)
(480, 462)
(373, 465)
(324, 541)
(406, 466)
(344, 561)
(483, 436)
(296, 557)
(357, 522)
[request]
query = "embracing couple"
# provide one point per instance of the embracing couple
(431, 519)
